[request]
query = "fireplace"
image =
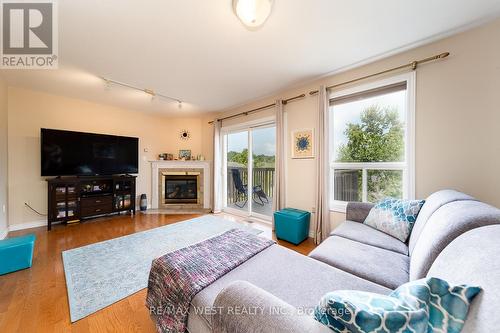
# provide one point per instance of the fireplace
(181, 186)
(181, 189)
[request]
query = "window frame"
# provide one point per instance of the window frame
(408, 166)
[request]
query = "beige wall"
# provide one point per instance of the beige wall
(29, 111)
(3, 159)
(457, 118)
(457, 126)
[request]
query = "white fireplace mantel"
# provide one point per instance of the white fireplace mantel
(157, 165)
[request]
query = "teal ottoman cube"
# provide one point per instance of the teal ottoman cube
(292, 225)
(16, 253)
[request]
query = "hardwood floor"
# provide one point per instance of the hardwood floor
(35, 299)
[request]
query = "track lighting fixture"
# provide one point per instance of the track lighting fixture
(150, 92)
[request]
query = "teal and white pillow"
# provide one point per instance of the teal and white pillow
(428, 305)
(394, 217)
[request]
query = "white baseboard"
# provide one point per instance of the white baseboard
(28, 225)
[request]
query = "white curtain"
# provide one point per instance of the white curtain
(279, 177)
(322, 216)
(217, 188)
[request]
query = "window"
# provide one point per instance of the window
(371, 133)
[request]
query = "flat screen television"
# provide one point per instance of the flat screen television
(68, 153)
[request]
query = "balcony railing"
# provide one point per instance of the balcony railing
(261, 176)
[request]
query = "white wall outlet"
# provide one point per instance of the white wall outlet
(313, 210)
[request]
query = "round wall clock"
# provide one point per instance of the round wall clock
(184, 135)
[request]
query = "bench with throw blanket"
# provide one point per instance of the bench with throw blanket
(178, 276)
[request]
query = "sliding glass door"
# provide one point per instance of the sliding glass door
(249, 164)
(237, 171)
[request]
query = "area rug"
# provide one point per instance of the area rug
(101, 274)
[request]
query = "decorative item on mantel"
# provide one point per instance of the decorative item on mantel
(185, 154)
(166, 157)
(303, 143)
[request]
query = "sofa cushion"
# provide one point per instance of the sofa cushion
(362, 312)
(426, 305)
(365, 234)
(271, 314)
(432, 204)
(446, 224)
(380, 266)
(358, 211)
(288, 275)
(395, 217)
(472, 258)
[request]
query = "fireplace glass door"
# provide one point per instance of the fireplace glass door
(181, 189)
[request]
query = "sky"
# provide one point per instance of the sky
(346, 113)
(264, 141)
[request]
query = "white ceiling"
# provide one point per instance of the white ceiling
(198, 51)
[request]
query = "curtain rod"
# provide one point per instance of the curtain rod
(246, 113)
(413, 65)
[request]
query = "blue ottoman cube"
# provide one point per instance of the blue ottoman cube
(292, 225)
(16, 253)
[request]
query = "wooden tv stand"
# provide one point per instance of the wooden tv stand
(72, 199)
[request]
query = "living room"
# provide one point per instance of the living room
(249, 163)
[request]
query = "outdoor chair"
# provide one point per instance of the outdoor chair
(242, 189)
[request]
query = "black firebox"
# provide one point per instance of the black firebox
(181, 189)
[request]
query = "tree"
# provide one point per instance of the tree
(259, 161)
(240, 158)
(379, 137)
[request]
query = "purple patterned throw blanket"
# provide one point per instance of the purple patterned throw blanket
(178, 276)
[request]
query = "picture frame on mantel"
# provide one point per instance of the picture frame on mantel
(303, 143)
(185, 154)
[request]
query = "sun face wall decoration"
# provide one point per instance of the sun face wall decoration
(303, 143)
(184, 135)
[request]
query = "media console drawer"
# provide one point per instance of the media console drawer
(97, 201)
(91, 206)
(96, 210)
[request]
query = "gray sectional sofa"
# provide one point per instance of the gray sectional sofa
(455, 237)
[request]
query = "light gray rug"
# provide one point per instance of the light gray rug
(101, 274)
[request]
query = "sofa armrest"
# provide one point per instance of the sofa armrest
(243, 307)
(358, 211)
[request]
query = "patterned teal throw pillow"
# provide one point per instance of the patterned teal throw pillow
(428, 305)
(394, 217)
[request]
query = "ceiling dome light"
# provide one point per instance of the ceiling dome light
(252, 13)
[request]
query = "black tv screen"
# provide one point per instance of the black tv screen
(67, 153)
